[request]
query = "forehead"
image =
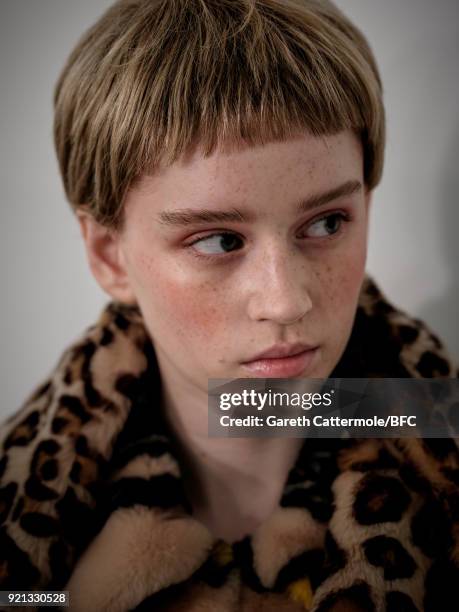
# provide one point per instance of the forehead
(303, 163)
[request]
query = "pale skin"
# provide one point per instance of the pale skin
(280, 273)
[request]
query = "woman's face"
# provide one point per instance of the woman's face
(232, 254)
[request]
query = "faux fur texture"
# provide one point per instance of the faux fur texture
(91, 498)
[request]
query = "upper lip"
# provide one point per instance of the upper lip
(282, 350)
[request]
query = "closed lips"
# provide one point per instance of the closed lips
(282, 351)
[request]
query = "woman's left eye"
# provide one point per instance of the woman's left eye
(218, 243)
(325, 226)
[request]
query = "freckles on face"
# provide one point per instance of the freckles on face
(338, 272)
(345, 274)
(195, 306)
(177, 304)
(206, 315)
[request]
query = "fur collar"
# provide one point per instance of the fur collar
(91, 497)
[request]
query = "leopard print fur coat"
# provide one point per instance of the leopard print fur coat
(91, 497)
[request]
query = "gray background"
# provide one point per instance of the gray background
(48, 293)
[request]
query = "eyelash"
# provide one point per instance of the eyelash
(345, 217)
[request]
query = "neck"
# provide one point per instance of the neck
(233, 484)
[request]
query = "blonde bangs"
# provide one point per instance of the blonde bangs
(153, 78)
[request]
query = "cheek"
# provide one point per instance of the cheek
(176, 303)
(342, 276)
(195, 307)
(351, 272)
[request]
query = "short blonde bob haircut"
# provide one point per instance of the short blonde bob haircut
(154, 78)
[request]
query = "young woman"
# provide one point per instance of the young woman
(221, 157)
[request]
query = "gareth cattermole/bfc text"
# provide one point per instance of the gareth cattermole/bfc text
(318, 421)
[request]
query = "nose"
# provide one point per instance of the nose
(279, 287)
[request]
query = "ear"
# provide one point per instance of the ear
(105, 258)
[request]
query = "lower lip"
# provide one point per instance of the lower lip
(281, 367)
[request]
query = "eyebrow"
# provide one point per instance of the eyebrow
(192, 216)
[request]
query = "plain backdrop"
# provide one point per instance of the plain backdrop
(48, 294)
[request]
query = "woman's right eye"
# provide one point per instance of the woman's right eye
(216, 244)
